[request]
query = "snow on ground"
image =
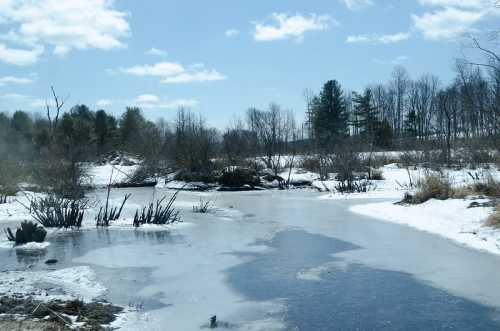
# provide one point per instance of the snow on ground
(298, 176)
(98, 175)
(14, 211)
(314, 273)
(397, 181)
(451, 219)
(76, 282)
(31, 246)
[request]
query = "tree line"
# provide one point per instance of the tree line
(402, 114)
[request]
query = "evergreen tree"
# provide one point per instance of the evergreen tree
(106, 131)
(366, 118)
(410, 124)
(132, 124)
(329, 116)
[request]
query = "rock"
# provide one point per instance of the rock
(51, 261)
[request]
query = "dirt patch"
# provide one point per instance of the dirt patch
(31, 326)
(30, 314)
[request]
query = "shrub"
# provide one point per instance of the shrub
(156, 213)
(494, 219)
(55, 212)
(28, 232)
(107, 215)
(488, 186)
(432, 186)
(311, 164)
(203, 206)
(354, 186)
(10, 175)
(6, 192)
(376, 174)
(408, 159)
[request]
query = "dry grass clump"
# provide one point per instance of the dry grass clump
(203, 207)
(438, 186)
(494, 219)
(311, 164)
(432, 186)
(485, 185)
(488, 186)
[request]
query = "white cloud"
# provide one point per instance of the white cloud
(232, 33)
(395, 61)
(357, 4)
(452, 18)
(156, 52)
(14, 96)
(20, 57)
(447, 23)
(171, 72)
(378, 39)
(151, 101)
(479, 4)
(104, 103)
(8, 80)
(38, 103)
(147, 98)
(63, 25)
(285, 26)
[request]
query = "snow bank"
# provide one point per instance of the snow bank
(397, 181)
(451, 219)
(64, 284)
(33, 246)
(99, 174)
(13, 211)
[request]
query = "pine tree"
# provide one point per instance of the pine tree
(410, 124)
(365, 115)
(329, 116)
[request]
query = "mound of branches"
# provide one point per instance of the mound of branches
(28, 232)
(203, 206)
(157, 213)
(52, 211)
(238, 177)
(108, 214)
(31, 314)
(190, 177)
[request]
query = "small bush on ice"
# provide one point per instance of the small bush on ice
(28, 232)
(157, 213)
(56, 212)
(203, 206)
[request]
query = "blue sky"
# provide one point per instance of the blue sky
(221, 57)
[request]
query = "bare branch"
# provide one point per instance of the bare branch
(485, 50)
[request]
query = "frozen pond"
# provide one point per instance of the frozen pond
(279, 260)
